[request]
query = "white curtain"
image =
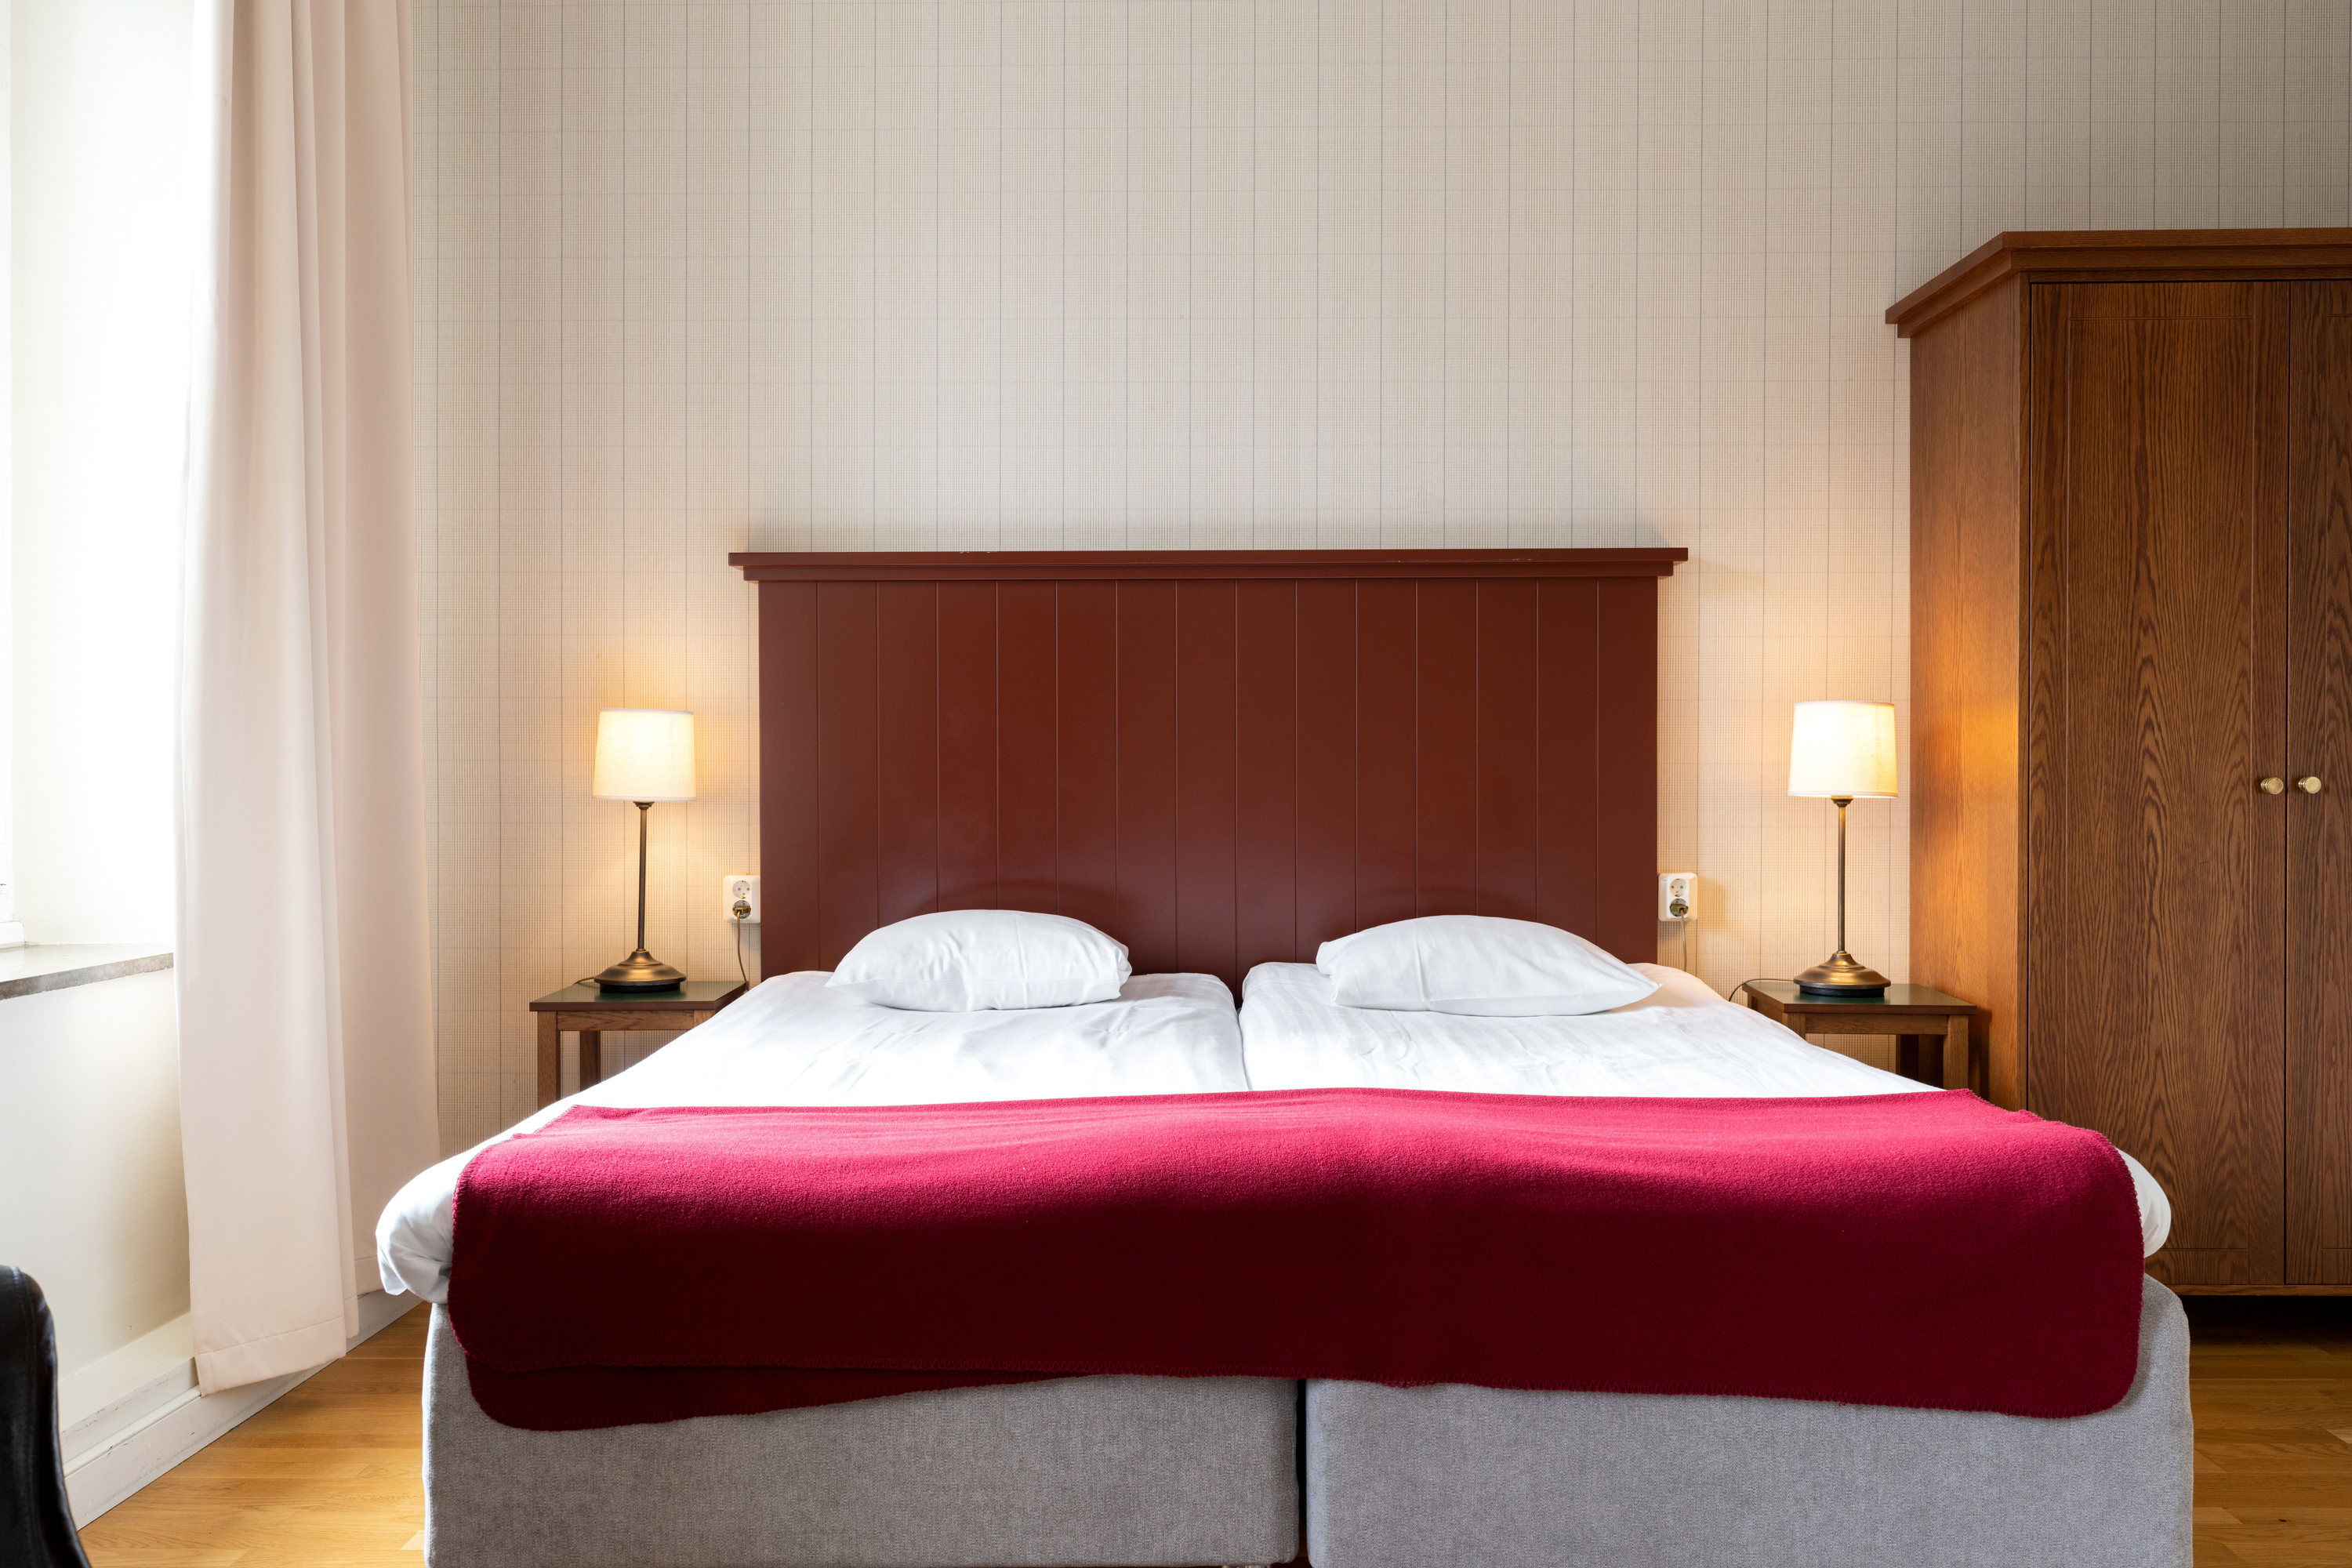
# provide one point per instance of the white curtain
(303, 960)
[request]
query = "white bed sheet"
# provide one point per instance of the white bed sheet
(1683, 1040)
(792, 1041)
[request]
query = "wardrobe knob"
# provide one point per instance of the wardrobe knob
(2309, 783)
(2273, 786)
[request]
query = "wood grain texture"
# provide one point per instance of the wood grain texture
(2318, 863)
(581, 1009)
(2078, 255)
(549, 1059)
(332, 1472)
(1942, 1057)
(1220, 772)
(1967, 577)
(2154, 939)
(2127, 598)
(2269, 1383)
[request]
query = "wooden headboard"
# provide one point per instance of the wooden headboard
(1222, 758)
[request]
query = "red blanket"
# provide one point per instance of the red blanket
(1915, 1249)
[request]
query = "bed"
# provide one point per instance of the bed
(1399, 1477)
(1092, 1470)
(1222, 758)
(1683, 1041)
(793, 1040)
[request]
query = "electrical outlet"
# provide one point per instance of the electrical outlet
(1677, 895)
(744, 890)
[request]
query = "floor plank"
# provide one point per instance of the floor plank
(2272, 1383)
(329, 1477)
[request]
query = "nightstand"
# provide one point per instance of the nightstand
(1925, 1025)
(583, 1009)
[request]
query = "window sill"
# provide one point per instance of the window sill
(59, 966)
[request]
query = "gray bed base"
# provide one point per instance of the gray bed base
(1079, 1471)
(1408, 1478)
(1134, 1470)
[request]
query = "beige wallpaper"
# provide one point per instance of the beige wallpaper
(859, 274)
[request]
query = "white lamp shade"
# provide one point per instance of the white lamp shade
(1842, 749)
(643, 753)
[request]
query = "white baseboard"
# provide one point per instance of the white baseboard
(378, 1312)
(99, 1476)
(110, 1396)
(165, 1420)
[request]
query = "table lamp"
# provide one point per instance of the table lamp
(1843, 750)
(643, 755)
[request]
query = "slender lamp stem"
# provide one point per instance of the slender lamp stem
(1843, 802)
(644, 809)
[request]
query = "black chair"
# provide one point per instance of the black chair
(37, 1527)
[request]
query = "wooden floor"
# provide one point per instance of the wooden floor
(2272, 1383)
(328, 1474)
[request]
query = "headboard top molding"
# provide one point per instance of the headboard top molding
(1177, 565)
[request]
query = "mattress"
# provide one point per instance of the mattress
(792, 1041)
(1681, 1041)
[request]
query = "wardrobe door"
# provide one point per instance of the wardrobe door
(2319, 826)
(2156, 703)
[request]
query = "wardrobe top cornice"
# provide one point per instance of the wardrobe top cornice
(2055, 256)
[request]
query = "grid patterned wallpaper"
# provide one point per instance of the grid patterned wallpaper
(699, 275)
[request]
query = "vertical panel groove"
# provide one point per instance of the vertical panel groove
(1395, 747)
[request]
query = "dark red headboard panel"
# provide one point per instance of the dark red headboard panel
(1221, 758)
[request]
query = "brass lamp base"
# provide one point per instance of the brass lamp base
(641, 970)
(1842, 975)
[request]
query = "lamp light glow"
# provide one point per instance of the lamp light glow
(1843, 750)
(643, 753)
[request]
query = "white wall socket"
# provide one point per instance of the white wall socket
(741, 889)
(1677, 895)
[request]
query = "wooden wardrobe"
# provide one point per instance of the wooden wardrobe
(2131, 709)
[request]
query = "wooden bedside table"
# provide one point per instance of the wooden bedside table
(1924, 1025)
(583, 1009)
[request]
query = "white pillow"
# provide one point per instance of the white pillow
(968, 961)
(1476, 963)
